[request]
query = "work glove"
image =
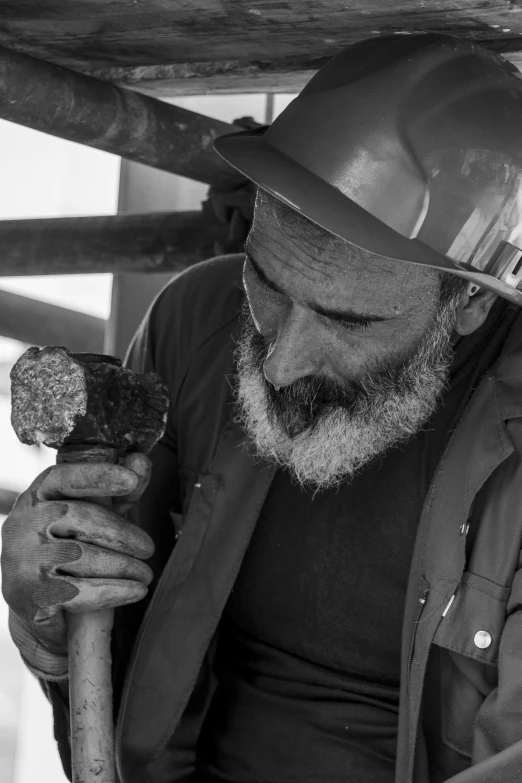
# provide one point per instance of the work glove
(62, 552)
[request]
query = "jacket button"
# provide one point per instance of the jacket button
(482, 639)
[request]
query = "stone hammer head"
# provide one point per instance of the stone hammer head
(59, 397)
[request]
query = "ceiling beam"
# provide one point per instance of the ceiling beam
(202, 46)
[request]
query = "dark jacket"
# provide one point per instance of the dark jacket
(461, 704)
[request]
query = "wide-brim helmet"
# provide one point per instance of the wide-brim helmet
(409, 147)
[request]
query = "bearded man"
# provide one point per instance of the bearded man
(335, 591)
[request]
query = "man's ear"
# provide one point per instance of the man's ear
(473, 310)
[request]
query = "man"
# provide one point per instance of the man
(334, 510)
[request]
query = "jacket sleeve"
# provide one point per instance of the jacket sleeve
(497, 741)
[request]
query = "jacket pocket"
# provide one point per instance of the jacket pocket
(469, 638)
(464, 684)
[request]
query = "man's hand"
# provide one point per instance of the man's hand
(60, 551)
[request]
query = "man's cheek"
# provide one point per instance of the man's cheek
(389, 345)
(356, 358)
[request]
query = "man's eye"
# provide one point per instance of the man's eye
(354, 326)
(261, 283)
(264, 286)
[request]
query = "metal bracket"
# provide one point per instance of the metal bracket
(506, 265)
(234, 207)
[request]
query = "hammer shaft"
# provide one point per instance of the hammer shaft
(90, 696)
(90, 671)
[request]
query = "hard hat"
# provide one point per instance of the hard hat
(409, 147)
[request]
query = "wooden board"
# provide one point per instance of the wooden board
(170, 47)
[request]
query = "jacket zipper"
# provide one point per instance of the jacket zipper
(132, 663)
(420, 606)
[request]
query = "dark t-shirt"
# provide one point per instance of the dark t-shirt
(308, 657)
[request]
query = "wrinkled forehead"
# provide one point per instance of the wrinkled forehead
(270, 213)
(310, 250)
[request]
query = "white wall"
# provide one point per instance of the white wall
(41, 177)
(47, 177)
(145, 189)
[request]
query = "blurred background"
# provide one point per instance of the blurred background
(43, 176)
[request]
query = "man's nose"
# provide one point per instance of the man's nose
(293, 355)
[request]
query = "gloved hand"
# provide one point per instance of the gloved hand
(60, 551)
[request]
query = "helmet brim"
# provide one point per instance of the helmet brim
(328, 207)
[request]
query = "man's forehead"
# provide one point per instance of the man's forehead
(279, 218)
(280, 235)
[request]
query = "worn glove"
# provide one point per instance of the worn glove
(62, 552)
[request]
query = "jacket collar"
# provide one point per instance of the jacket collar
(190, 597)
(507, 374)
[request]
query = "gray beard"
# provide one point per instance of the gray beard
(324, 434)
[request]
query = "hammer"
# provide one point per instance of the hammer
(91, 409)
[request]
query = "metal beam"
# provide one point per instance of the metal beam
(154, 242)
(7, 499)
(81, 108)
(40, 323)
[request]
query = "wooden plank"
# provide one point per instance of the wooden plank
(228, 78)
(221, 78)
(229, 45)
(40, 323)
(73, 106)
(154, 242)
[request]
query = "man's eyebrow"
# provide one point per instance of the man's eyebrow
(334, 315)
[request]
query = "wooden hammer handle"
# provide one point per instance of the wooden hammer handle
(90, 670)
(90, 696)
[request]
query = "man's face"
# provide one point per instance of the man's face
(334, 342)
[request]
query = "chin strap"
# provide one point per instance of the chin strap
(472, 289)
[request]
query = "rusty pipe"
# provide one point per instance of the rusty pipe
(153, 242)
(80, 108)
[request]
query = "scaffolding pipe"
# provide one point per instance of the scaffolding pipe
(89, 111)
(154, 242)
(39, 323)
(7, 500)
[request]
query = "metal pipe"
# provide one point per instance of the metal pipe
(7, 500)
(77, 107)
(40, 323)
(154, 242)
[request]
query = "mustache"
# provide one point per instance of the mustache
(324, 431)
(300, 406)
